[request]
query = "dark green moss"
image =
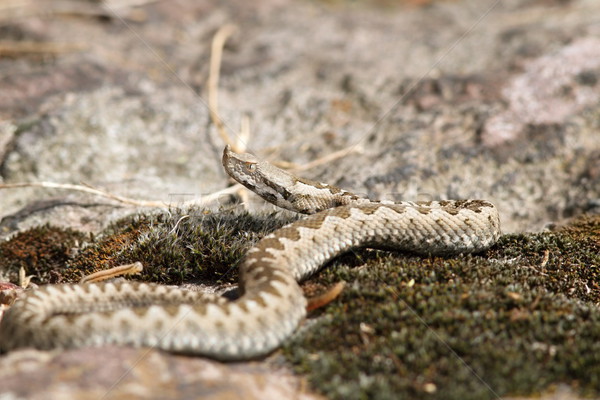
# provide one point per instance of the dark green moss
(177, 247)
(512, 321)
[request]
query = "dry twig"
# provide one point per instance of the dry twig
(325, 298)
(200, 202)
(24, 279)
(18, 48)
(216, 55)
(127, 269)
(319, 161)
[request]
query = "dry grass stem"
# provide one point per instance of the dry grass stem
(18, 48)
(199, 202)
(244, 137)
(325, 298)
(24, 279)
(121, 270)
(213, 84)
(319, 161)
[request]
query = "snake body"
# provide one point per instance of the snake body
(271, 305)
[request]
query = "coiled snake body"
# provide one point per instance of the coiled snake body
(271, 305)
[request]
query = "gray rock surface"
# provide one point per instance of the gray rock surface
(124, 373)
(445, 101)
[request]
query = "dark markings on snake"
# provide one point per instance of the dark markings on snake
(273, 243)
(369, 209)
(286, 194)
(174, 310)
(140, 311)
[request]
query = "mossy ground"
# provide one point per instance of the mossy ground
(42, 251)
(175, 247)
(515, 320)
(179, 247)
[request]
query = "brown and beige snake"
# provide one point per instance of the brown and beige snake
(271, 305)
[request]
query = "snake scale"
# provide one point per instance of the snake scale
(271, 305)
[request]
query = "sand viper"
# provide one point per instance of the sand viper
(271, 305)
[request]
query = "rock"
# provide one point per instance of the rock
(119, 373)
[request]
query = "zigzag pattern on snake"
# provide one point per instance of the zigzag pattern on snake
(271, 305)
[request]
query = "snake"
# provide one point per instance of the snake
(271, 305)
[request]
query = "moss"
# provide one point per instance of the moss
(515, 320)
(179, 246)
(41, 251)
(175, 247)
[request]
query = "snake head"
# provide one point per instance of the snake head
(266, 180)
(239, 164)
(281, 188)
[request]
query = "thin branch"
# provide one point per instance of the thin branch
(239, 145)
(244, 136)
(325, 298)
(319, 161)
(330, 157)
(85, 189)
(16, 48)
(128, 269)
(209, 198)
(200, 202)
(213, 84)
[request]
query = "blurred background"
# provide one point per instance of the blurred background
(430, 99)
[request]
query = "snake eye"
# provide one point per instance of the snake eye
(251, 167)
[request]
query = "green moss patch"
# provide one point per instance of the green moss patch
(176, 247)
(515, 320)
(191, 246)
